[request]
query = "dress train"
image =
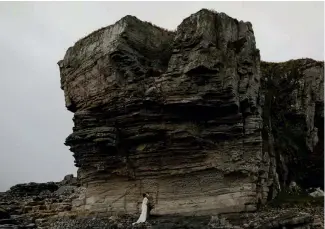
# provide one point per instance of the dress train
(144, 211)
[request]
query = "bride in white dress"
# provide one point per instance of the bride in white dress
(144, 210)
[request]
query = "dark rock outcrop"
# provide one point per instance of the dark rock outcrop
(293, 118)
(31, 205)
(4, 214)
(175, 114)
(32, 189)
(189, 116)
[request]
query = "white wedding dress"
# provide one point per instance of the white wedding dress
(144, 211)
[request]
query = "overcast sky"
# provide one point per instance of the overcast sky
(35, 35)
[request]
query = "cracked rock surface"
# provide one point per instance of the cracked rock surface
(175, 114)
(191, 116)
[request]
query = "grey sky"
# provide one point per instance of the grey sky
(35, 35)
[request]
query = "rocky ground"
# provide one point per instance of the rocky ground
(30, 205)
(49, 206)
(266, 219)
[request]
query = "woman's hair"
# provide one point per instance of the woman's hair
(144, 194)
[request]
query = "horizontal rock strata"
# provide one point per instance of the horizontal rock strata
(293, 116)
(27, 206)
(52, 210)
(175, 114)
(179, 115)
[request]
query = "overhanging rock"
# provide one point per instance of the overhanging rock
(175, 114)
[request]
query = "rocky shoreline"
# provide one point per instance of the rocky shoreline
(49, 206)
(194, 118)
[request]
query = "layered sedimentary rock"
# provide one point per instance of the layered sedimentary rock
(293, 115)
(175, 114)
(179, 115)
(27, 206)
(38, 206)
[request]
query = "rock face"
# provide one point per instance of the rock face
(178, 115)
(52, 210)
(293, 116)
(31, 205)
(172, 114)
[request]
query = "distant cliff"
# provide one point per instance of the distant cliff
(193, 117)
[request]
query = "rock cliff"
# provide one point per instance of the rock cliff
(179, 115)
(293, 116)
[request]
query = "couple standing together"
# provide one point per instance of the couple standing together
(146, 207)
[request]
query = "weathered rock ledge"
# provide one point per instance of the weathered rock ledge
(31, 205)
(51, 209)
(175, 114)
(190, 116)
